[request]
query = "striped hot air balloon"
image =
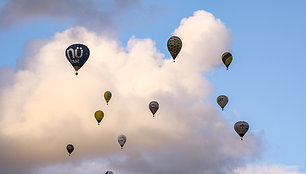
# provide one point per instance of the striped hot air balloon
(227, 59)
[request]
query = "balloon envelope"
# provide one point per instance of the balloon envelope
(99, 116)
(107, 96)
(241, 127)
(222, 101)
(153, 106)
(174, 45)
(70, 148)
(121, 140)
(227, 59)
(109, 172)
(77, 55)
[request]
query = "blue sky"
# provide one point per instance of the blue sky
(265, 82)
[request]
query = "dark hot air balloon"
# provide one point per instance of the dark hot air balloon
(241, 127)
(77, 55)
(174, 45)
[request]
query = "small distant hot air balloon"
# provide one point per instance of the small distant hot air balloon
(121, 140)
(241, 127)
(227, 59)
(107, 96)
(109, 172)
(174, 45)
(153, 106)
(77, 55)
(70, 148)
(99, 116)
(222, 101)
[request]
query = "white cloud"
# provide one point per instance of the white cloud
(45, 106)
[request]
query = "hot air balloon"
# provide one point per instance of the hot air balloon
(109, 172)
(222, 101)
(174, 45)
(227, 59)
(99, 116)
(107, 96)
(77, 55)
(70, 148)
(153, 106)
(121, 140)
(241, 127)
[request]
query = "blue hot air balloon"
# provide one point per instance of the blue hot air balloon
(77, 55)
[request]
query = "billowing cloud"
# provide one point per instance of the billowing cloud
(89, 13)
(44, 106)
(268, 169)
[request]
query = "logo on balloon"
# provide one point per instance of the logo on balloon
(76, 54)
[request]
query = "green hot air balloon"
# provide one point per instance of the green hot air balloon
(174, 45)
(99, 116)
(227, 59)
(107, 96)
